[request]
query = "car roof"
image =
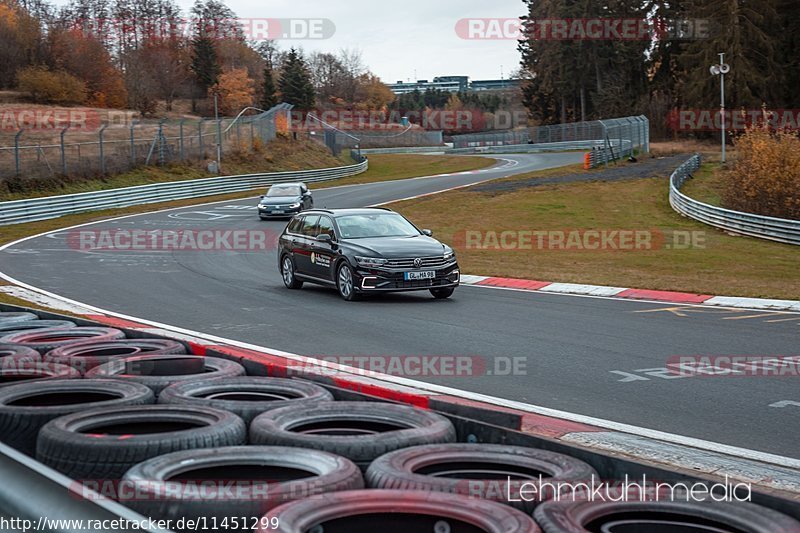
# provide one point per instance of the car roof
(288, 184)
(350, 211)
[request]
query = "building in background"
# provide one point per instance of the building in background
(453, 84)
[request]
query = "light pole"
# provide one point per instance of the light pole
(720, 70)
(219, 132)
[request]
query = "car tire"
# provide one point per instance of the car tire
(443, 293)
(160, 371)
(558, 516)
(392, 511)
(247, 397)
(9, 318)
(345, 283)
(288, 273)
(44, 340)
(103, 444)
(293, 474)
(26, 407)
(14, 355)
(12, 375)
(31, 325)
(85, 356)
(360, 431)
(498, 462)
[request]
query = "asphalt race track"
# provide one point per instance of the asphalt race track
(597, 357)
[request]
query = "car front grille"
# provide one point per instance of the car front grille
(427, 262)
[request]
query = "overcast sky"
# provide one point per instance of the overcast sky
(399, 38)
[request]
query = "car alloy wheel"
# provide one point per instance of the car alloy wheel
(345, 283)
(287, 271)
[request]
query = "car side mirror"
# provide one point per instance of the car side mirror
(324, 237)
(427, 232)
(262, 196)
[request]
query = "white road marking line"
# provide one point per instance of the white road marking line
(692, 442)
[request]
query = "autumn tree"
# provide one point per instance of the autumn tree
(168, 63)
(46, 87)
(235, 91)
(20, 35)
(86, 58)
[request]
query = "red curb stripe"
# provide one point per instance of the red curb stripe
(664, 296)
(417, 400)
(116, 322)
(276, 365)
(511, 283)
(197, 349)
(546, 426)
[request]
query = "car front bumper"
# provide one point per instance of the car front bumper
(266, 213)
(390, 280)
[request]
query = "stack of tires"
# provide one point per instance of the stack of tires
(195, 440)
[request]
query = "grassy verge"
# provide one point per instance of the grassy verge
(385, 167)
(723, 264)
(279, 155)
(706, 185)
(391, 169)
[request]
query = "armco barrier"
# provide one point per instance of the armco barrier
(34, 209)
(763, 227)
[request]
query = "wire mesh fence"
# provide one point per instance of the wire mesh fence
(114, 148)
(395, 136)
(632, 129)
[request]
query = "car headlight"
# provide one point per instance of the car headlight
(449, 256)
(370, 261)
(294, 206)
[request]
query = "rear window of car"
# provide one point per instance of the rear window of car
(310, 226)
(295, 225)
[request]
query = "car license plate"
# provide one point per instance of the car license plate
(277, 211)
(412, 276)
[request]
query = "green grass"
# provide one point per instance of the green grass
(706, 185)
(725, 265)
(385, 167)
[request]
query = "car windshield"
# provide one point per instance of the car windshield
(283, 190)
(375, 225)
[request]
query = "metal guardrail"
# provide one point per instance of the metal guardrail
(31, 210)
(763, 227)
(532, 148)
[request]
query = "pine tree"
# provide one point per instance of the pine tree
(204, 63)
(295, 82)
(746, 34)
(269, 98)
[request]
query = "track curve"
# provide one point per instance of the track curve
(594, 356)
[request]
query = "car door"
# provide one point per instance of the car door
(322, 253)
(302, 244)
